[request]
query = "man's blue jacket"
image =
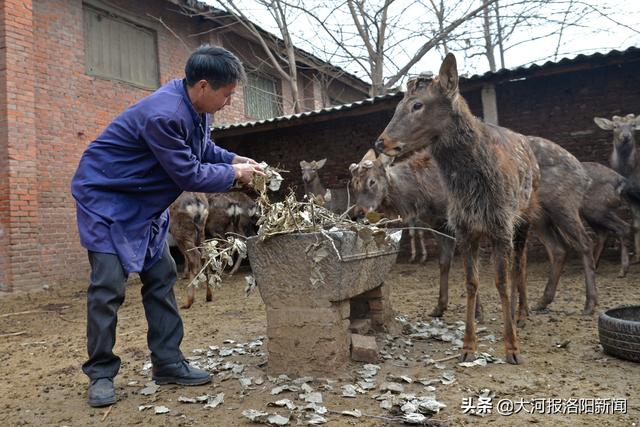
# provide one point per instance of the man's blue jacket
(137, 167)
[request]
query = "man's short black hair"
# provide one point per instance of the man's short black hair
(214, 64)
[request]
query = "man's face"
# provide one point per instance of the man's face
(210, 100)
(216, 99)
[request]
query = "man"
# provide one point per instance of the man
(126, 180)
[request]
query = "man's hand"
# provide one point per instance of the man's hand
(241, 159)
(245, 171)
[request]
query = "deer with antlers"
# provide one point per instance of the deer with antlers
(491, 176)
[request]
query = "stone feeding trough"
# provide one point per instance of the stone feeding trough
(313, 285)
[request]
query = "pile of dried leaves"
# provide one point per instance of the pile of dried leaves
(288, 216)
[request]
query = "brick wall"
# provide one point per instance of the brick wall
(49, 112)
(341, 141)
(561, 107)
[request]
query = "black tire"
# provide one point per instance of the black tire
(619, 331)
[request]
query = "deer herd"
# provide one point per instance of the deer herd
(436, 165)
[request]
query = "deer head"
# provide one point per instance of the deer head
(369, 182)
(310, 169)
(624, 129)
(424, 113)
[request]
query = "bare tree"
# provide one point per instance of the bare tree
(281, 53)
(370, 36)
(507, 24)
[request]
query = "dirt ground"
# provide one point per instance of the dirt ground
(42, 382)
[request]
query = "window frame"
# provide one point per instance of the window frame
(276, 93)
(120, 14)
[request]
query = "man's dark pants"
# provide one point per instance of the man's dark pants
(104, 297)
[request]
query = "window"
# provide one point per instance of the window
(119, 49)
(261, 97)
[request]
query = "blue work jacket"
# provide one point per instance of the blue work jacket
(137, 167)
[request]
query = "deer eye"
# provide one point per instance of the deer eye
(417, 105)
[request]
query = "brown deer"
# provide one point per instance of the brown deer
(491, 177)
(625, 160)
(372, 168)
(232, 212)
(189, 215)
(413, 190)
(564, 183)
(599, 208)
(336, 199)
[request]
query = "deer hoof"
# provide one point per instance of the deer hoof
(514, 358)
(588, 309)
(622, 274)
(437, 312)
(480, 315)
(541, 307)
(467, 356)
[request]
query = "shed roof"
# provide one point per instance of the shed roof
(577, 63)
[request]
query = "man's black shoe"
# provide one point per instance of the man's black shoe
(180, 373)
(102, 392)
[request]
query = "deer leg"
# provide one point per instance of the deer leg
(412, 237)
(586, 247)
(598, 248)
(447, 249)
(557, 257)
(209, 292)
(612, 224)
(423, 246)
(502, 253)
(578, 238)
(192, 267)
(470, 245)
(191, 296)
(635, 214)
(519, 276)
(236, 266)
(624, 258)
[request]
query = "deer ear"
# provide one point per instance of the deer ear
(448, 74)
(320, 163)
(369, 155)
(603, 123)
(353, 167)
(637, 121)
(303, 164)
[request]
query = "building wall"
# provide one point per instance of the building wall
(49, 112)
(341, 141)
(561, 107)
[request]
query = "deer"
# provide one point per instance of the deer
(491, 177)
(599, 210)
(625, 160)
(336, 199)
(564, 185)
(410, 218)
(189, 215)
(233, 212)
(413, 190)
